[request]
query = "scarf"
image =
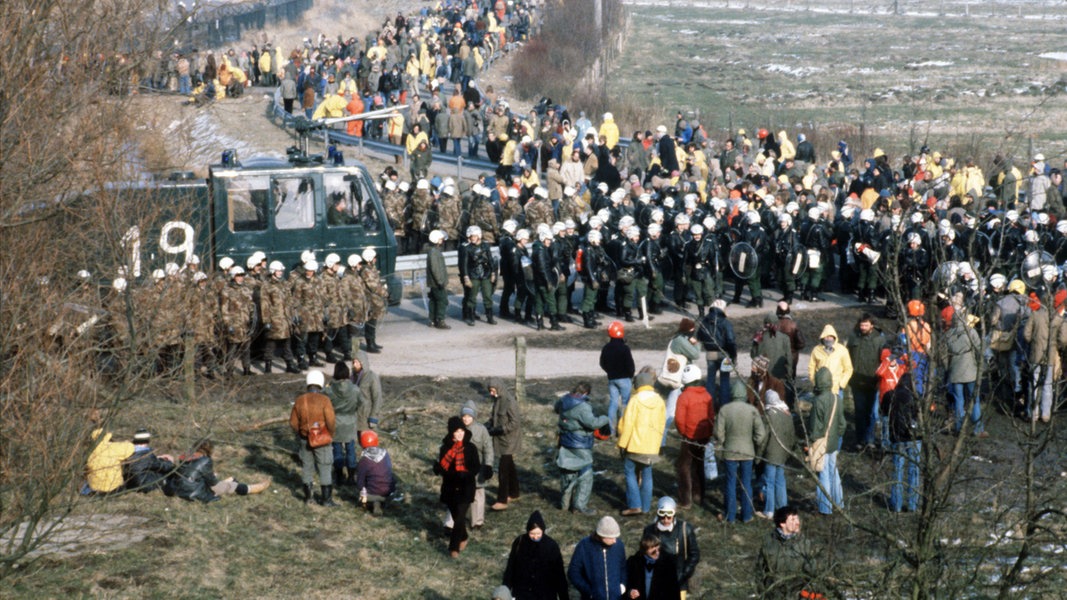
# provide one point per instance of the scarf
(454, 456)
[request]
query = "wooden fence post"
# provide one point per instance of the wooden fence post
(520, 369)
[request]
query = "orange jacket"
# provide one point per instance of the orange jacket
(354, 108)
(695, 414)
(309, 408)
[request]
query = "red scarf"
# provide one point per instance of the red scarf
(454, 456)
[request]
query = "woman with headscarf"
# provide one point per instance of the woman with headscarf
(458, 464)
(535, 564)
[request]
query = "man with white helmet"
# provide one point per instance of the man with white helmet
(437, 280)
(788, 256)
(238, 312)
(480, 212)
(309, 305)
(914, 268)
(522, 268)
(276, 311)
(448, 216)
(335, 322)
(816, 237)
(754, 235)
(702, 266)
(864, 240)
(507, 270)
(676, 251)
(377, 295)
(477, 270)
(595, 272)
(546, 278)
(632, 275)
(538, 210)
(396, 204)
(355, 295)
(655, 255)
(421, 204)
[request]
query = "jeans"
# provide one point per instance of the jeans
(472, 146)
(672, 405)
(905, 462)
(457, 146)
(344, 454)
(774, 492)
(184, 85)
(640, 496)
(1041, 377)
(618, 396)
(730, 490)
(830, 481)
(962, 393)
(721, 392)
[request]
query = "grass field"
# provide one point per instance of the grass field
(272, 546)
(956, 81)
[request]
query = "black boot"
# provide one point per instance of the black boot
(327, 496)
(468, 316)
(267, 366)
(629, 316)
(290, 367)
(564, 318)
(540, 323)
(338, 474)
(307, 493)
(588, 320)
(504, 313)
(303, 366)
(655, 308)
(371, 335)
(489, 316)
(246, 371)
(700, 312)
(554, 321)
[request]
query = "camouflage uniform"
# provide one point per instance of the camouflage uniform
(538, 211)
(335, 316)
(238, 323)
(482, 214)
(377, 297)
(448, 219)
(396, 210)
(569, 208)
(420, 216)
(276, 310)
(166, 324)
(309, 308)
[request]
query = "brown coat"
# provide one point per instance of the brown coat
(309, 408)
(767, 382)
(789, 327)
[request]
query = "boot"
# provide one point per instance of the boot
(376, 508)
(468, 316)
(246, 371)
(314, 362)
(489, 316)
(371, 335)
(629, 316)
(540, 322)
(441, 325)
(700, 312)
(588, 321)
(327, 496)
(257, 488)
(554, 321)
(290, 367)
(307, 493)
(564, 318)
(655, 309)
(505, 312)
(338, 474)
(303, 365)
(267, 366)
(351, 479)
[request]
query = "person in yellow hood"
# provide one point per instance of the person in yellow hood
(640, 436)
(331, 108)
(103, 471)
(609, 131)
(833, 355)
(787, 147)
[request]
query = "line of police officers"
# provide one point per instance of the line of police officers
(229, 314)
(881, 251)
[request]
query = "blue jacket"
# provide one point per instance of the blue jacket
(597, 571)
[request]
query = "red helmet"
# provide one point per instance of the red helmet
(762, 133)
(616, 330)
(368, 439)
(916, 308)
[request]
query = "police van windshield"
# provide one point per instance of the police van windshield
(349, 202)
(294, 202)
(247, 198)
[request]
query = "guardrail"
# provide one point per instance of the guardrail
(411, 263)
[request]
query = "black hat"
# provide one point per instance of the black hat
(340, 371)
(535, 520)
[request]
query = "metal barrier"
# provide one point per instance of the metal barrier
(411, 263)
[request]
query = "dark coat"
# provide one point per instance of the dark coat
(535, 569)
(681, 544)
(144, 471)
(505, 422)
(193, 480)
(717, 334)
(616, 359)
(458, 487)
(664, 584)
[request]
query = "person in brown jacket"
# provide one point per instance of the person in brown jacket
(787, 326)
(314, 409)
(760, 381)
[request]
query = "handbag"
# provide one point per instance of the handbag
(816, 459)
(671, 373)
(318, 435)
(1001, 341)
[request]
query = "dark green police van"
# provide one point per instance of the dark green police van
(278, 207)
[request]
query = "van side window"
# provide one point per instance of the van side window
(246, 199)
(349, 202)
(294, 202)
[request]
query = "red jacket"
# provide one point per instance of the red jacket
(695, 414)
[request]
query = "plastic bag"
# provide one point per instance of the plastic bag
(711, 465)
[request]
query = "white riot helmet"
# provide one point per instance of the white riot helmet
(814, 213)
(119, 284)
(696, 230)
(654, 229)
(656, 216)
(570, 224)
(523, 235)
(225, 263)
(997, 281)
(708, 223)
(1030, 236)
(1042, 218)
(354, 260)
(1062, 226)
(369, 255)
(307, 255)
(510, 226)
(390, 185)
(404, 186)
(83, 274)
(752, 217)
(541, 192)
(558, 228)
(544, 236)
(474, 231)
(437, 236)
(276, 266)
(914, 238)
(785, 218)
(237, 272)
(626, 222)
(792, 207)
(160, 274)
(594, 237)
(1012, 216)
(331, 260)
(916, 217)
(311, 266)
(681, 219)
(199, 276)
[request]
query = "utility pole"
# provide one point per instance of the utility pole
(598, 15)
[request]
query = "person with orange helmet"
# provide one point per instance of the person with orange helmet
(374, 473)
(618, 363)
(917, 335)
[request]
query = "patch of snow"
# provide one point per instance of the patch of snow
(931, 63)
(1054, 55)
(798, 72)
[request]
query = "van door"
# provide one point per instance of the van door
(297, 214)
(353, 221)
(242, 214)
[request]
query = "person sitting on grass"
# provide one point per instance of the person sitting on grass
(195, 478)
(374, 473)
